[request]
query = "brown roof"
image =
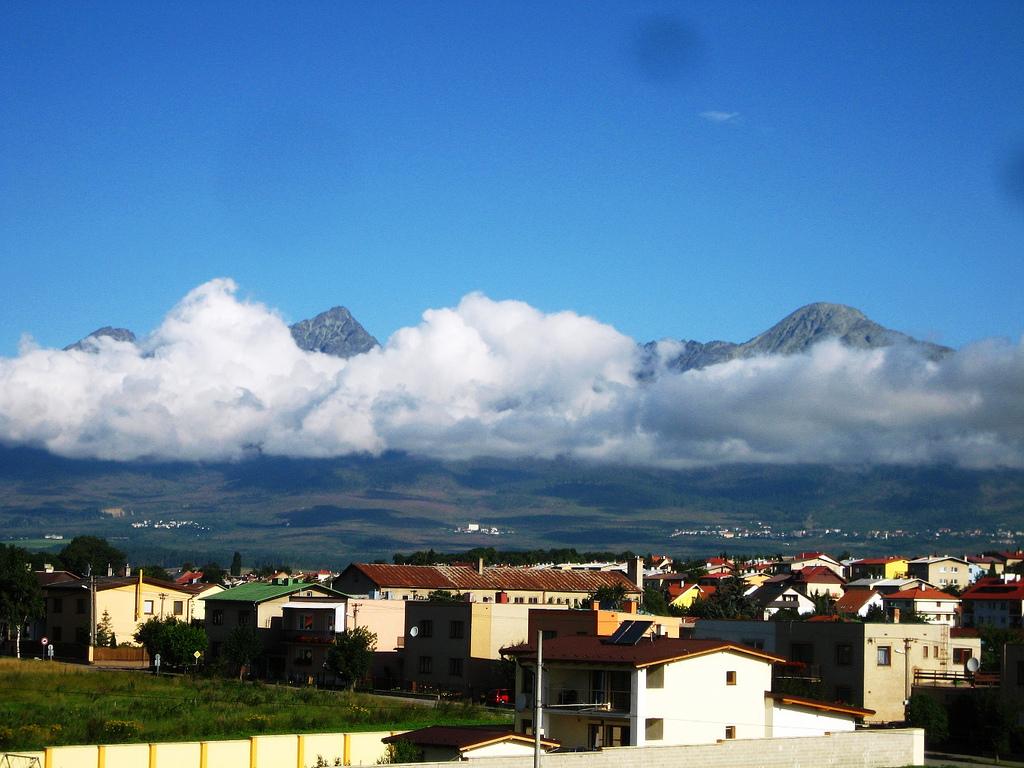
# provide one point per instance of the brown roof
(113, 582)
(647, 652)
(45, 578)
(818, 574)
(853, 600)
(462, 737)
(458, 578)
(824, 706)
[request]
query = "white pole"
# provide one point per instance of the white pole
(538, 715)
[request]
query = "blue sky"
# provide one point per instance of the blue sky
(686, 170)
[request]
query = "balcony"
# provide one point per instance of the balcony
(308, 636)
(573, 700)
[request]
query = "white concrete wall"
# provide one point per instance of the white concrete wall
(787, 721)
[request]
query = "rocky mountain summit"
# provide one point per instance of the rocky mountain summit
(88, 343)
(795, 333)
(334, 332)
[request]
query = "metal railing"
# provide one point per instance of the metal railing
(942, 677)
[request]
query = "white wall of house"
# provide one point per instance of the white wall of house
(696, 702)
(789, 721)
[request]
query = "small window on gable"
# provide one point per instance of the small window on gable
(730, 731)
(730, 677)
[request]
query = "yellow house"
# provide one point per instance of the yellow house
(75, 609)
(879, 568)
(684, 595)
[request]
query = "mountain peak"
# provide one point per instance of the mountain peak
(334, 332)
(88, 344)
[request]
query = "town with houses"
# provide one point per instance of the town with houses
(633, 654)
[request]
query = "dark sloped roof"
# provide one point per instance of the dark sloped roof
(647, 652)
(824, 706)
(459, 577)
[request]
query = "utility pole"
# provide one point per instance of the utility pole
(92, 612)
(538, 713)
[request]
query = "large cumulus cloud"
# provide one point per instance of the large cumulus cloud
(221, 378)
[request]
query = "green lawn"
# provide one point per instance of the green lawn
(51, 704)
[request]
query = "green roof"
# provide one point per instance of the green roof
(259, 591)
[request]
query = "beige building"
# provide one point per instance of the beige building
(941, 571)
(863, 665)
(932, 605)
(74, 609)
(456, 647)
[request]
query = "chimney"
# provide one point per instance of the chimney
(480, 566)
(110, 570)
(629, 606)
(127, 569)
(635, 572)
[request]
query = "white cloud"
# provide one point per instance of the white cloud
(717, 116)
(222, 377)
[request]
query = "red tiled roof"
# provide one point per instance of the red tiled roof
(459, 578)
(995, 591)
(647, 652)
(818, 574)
(854, 599)
(462, 737)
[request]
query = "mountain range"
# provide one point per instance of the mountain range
(336, 332)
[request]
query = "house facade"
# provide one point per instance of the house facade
(941, 571)
(932, 605)
(994, 601)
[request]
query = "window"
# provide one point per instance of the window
(58, 605)
(179, 607)
(456, 629)
(730, 677)
(654, 728)
(306, 621)
(844, 693)
(426, 665)
(754, 643)
(80, 605)
(57, 634)
(925, 649)
(455, 667)
(518, 601)
(81, 635)
(802, 652)
(549, 634)
(533, 601)
(844, 654)
(244, 617)
(656, 677)
(304, 658)
(884, 655)
(147, 607)
(961, 655)
(217, 617)
(426, 628)
(730, 731)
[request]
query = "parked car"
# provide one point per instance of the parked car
(499, 697)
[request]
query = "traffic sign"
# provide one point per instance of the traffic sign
(197, 654)
(45, 641)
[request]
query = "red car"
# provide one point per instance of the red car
(499, 697)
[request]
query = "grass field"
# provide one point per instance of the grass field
(52, 704)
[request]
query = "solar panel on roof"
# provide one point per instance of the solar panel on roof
(618, 633)
(633, 633)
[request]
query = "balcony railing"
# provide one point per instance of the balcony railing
(308, 636)
(927, 677)
(580, 699)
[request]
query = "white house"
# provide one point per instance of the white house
(659, 691)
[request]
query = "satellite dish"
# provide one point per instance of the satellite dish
(413, 631)
(973, 664)
(520, 702)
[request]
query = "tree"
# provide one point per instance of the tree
(444, 596)
(874, 615)
(351, 655)
(926, 712)
(242, 648)
(610, 598)
(155, 572)
(824, 604)
(654, 601)
(401, 751)
(105, 629)
(21, 598)
(91, 554)
(212, 573)
(727, 602)
(174, 640)
(236, 564)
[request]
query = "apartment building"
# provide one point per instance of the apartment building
(942, 571)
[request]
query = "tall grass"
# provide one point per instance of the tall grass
(52, 704)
